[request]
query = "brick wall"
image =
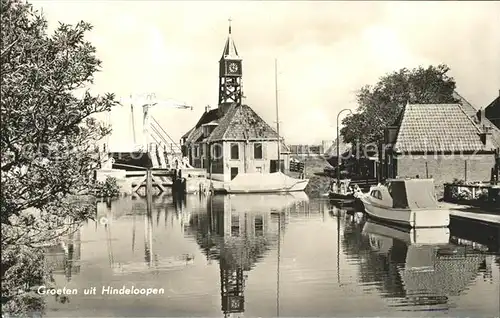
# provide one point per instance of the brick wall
(446, 168)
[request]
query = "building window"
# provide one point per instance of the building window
(216, 151)
(235, 151)
(259, 226)
(235, 225)
(257, 150)
(258, 169)
(201, 150)
(196, 151)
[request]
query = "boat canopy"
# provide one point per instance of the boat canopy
(412, 193)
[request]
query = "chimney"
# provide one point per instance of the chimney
(485, 129)
(482, 113)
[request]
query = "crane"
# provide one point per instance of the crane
(153, 128)
(146, 101)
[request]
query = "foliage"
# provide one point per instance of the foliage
(47, 141)
(23, 270)
(458, 181)
(108, 188)
(380, 105)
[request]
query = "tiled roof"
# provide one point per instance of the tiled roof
(238, 123)
(242, 123)
(494, 105)
(473, 113)
(466, 106)
(186, 135)
(438, 127)
(493, 112)
(197, 131)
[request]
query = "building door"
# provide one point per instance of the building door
(273, 167)
(234, 172)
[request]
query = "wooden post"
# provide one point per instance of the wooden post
(149, 191)
(426, 170)
(465, 172)
(380, 164)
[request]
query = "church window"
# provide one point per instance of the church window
(257, 150)
(235, 151)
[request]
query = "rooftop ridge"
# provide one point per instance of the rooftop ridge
(433, 104)
(479, 129)
(401, 123)
(462, 99)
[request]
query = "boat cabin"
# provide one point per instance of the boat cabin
(405, 194)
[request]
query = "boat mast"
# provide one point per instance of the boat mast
(277, 113)
(278, 267)
(132, 118)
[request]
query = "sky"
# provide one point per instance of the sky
(325, 52)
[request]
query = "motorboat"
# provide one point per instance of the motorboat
(407, 202)
(275, 182)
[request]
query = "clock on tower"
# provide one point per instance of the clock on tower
(232, 68)
(230, 73)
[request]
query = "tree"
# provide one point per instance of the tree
(380, 105)
(47, 143)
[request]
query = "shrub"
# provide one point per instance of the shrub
(108, 188)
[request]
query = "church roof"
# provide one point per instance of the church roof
(207, 117)
(238, 123)
(241, 123)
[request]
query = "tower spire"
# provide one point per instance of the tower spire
(230, 90)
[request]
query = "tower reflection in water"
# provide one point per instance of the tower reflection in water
(238, 231)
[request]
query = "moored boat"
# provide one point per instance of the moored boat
(407, 202)
(345, 195)
(260, 183)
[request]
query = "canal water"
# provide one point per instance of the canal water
(266, 256)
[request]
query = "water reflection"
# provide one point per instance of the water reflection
(237, 231)
(134, 208)
(268, 256)
(417, 269)
(64, 258)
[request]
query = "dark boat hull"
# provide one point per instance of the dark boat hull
(128, 160)
(340, 196)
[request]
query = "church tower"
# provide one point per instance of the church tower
(230, 74)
